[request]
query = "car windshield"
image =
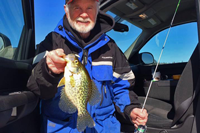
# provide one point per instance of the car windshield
(124, 39)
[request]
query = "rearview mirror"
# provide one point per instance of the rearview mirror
(146, 58)
(120, 27)
(4, 41)
(6, 49)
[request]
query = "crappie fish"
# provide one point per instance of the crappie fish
(78, 91)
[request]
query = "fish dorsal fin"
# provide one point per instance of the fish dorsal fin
(95, 96)
(77, 55)
(61, 82)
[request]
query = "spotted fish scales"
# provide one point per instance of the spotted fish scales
(79, 89)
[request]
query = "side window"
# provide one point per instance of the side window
(11, 25)
(179, 46)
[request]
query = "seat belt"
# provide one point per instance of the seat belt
(184, 106)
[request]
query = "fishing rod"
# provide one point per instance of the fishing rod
(141, 128)
(160, 54)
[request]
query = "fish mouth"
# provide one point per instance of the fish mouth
(70, 57)
(72, 63)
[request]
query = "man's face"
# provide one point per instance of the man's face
(82, 15)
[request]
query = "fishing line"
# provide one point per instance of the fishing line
(160, 55)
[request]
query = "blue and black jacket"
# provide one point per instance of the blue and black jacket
(107, 67)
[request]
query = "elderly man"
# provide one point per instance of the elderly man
(82, 31)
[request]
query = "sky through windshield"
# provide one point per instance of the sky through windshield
(48, 14)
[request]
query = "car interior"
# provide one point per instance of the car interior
(173, 103)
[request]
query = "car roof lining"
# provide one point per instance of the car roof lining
(155, 10)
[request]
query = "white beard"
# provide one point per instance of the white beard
(81, 28)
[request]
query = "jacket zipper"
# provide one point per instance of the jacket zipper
(85, 56)
(103, 92)
(104, 86)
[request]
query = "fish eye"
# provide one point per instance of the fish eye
(76, 61)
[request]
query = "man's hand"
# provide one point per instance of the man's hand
(55, 61)
(138, 117)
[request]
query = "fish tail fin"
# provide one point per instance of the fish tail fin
(95, 96)
(65, 103)
(83, 121)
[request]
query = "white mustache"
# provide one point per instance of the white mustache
(83, 20)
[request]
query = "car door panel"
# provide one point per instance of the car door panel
(16, 100)
(10, 72)
(19, 110)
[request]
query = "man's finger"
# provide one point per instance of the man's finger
(135, 113)
(55, 57)
(141, 121)
(60, 52)
(55, 61)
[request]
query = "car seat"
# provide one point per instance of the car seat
(162, 115)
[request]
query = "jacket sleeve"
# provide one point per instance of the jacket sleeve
(124, 97)
(42, 81)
